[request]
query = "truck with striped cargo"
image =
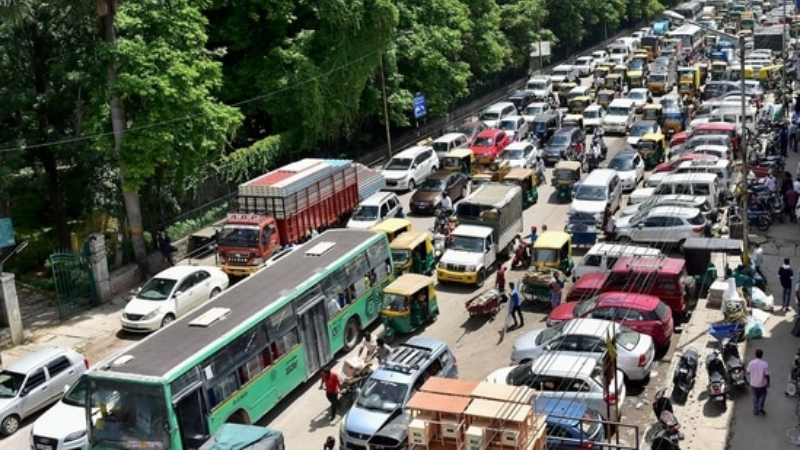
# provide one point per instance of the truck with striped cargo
(285, 206)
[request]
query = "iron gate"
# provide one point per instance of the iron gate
(75, 287)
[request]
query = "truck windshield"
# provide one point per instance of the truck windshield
(467, 244)
(138, 418)
(236, 236)
(366, 213)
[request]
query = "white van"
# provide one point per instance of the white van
(697, 184)
(602, 257)
(375, 209)
(409, 168)
(449, 141)
(620, 116)
(722, 168)
(601, 188)
(734, 116)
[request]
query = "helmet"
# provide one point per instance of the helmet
(544, 227)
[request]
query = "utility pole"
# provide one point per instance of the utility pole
(385, 106)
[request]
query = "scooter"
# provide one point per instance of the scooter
(733, 363)
(717, 379)
(685, 375)
(666, 433)
(793, 387)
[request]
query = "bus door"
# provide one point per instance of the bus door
(313, 328)
(191, 411)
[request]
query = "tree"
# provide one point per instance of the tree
(158, 64)
(521, 22)
(486, 48)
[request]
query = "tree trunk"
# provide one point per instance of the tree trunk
(107, 10)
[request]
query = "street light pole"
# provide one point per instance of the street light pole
(742, 141)
(385, 106)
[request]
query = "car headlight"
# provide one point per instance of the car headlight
(258, 261)
(470, 268)
(75, 436)
(152, 314)
(441, 265)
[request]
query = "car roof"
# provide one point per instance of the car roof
(649, 123)
(37, 358)
(662, 265)
(449, 136)
(518, 146)
(561, 412)
(405, 360)
(499, 105)
(567, 130)
(560, 363)
(642, 302)
(440, 175)
(625, 154)
(680, 211)
(592, 107)
(178, 272)
(512, 117)
(376, 198)
(589, 327)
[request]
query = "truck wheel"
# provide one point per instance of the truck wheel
(481, 278)
(352, 331)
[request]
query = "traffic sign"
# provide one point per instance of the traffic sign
(420, 108)
(6, 233)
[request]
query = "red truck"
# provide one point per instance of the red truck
(284, 206)
(665, 278)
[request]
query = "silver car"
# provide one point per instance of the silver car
(36, 381)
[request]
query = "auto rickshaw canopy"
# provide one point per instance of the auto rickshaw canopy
(652, 141)
(612, 79)
(601, 71)
(605, 97)
(411, 239)
(393, 227)
(410, 245)
(552, 239)
(572, 120)
(566, 171)
(522, 177)
(765, 73)
(652, 111)
(553, 249)
(410, 284)
(459, 160)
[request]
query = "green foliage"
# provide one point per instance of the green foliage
(521, 22)
(201, 220)
(260, 157)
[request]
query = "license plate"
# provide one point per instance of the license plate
(44, 447)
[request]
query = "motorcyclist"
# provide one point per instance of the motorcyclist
(446, 204)
(598, 132)
(595, 153)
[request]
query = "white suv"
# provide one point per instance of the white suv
(662, 224)
(410, 167)
(375, 209)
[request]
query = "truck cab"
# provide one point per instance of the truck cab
(469, 257)
(246, 242)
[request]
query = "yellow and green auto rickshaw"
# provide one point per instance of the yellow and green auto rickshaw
(605, 97)
(563, 93)
(652, 148)
(565, 175)
(703, 68)
(576, 105)
(612, 80)
(674, 121)
(687, 87)
(553, 250)
(635, 78)
(654, 112)
(525, 179)
(601, 71)
(621, 70)
(413, 252)
(409, 302)
(459, 160)
(393, 227)
(718, 69)
(770, 75)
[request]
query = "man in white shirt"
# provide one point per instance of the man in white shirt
(796, 185)
(771, 183)
(446, 203)
(757, 258)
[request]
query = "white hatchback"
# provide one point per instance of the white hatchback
(630, 167)
(662, 225)
(519, 154)
(172, 293)
(587, 336)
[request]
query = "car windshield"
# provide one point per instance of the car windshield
(514, 154)
(508, 125)
(466, 244)
(621, 163)
(239, 236)
(559, 140)
(627, 338)
(584, 307)
(586, 192)
(382, 395)
(483, 142)
(10, 383)
(534, 110)
(521, 375)
(636, 95)
(658, 77)
(76, 396)
(399, 164)
(366, 213)
(697, 220)
(537, 85)
(157, 289)
(467, 130)
(618, 111)
(431, 185)
(591, 114)
(490, 116)
(636, 64)
(669, 102)
(583, 61)
(639, 130)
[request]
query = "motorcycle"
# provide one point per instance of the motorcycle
(666, 433)
(733, 363)
(717, 379)
(441, 224)
(756, 216)
(793, 387)
(685, 375)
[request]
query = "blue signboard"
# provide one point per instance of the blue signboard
(6, 233)
(420, 108)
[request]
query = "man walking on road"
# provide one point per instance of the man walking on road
(785, 273)
(330, 382)
(516, 306)
(758, 370)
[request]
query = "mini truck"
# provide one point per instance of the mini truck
(489, 220)
(283, 207)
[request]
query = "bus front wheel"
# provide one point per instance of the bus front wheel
(240, 417)
(352, 331)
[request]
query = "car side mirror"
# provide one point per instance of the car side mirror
(24, 392)
(178, 294)
(66, 388)
(414, 166)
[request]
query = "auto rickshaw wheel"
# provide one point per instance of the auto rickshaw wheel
(352, 331)
(481, 278)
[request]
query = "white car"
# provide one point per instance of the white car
(600, 56)
(593, 117)
(681, 200)
(639, 129)
(535, 109)
(639, 97)
(519, 154)
(567, 376)
(585, 65)
(662, 224)
(618, 60)
(587, 336)
(515, 126)
(171, 294)
(630, 167)
(63, 426)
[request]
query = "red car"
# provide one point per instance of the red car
(643, 313)
(489, 143)
(669, 166)
(719, 128)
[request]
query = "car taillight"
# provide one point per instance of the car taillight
(610, 399)
(589, 445)
(697, 229)
(86, 362)
(642, 360)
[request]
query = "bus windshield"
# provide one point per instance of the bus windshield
(138, 418)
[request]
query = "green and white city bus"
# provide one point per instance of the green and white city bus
(234, 358)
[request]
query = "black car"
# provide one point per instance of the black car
(521, 99)
(544, 125)
(563, 141)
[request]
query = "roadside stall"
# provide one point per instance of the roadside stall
(409, 302)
